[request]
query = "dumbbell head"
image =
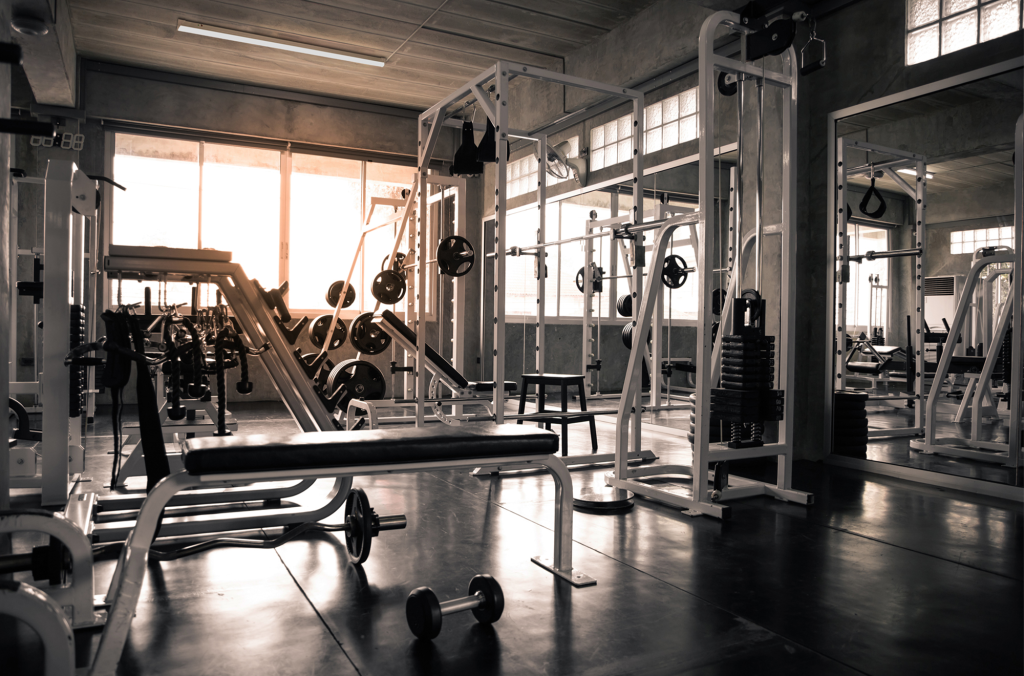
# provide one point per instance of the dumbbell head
(494, 601)
(423, 612)
(243, 387)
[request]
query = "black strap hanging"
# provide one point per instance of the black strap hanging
(877, 213)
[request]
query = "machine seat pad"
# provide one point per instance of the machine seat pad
(888, 350)
(394, 325)
(488, 386)
(324, 450)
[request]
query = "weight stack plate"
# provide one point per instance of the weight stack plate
(76, 374)
(850, 424)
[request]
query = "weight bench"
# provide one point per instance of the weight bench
(214, 461)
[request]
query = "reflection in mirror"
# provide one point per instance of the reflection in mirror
(922, 314)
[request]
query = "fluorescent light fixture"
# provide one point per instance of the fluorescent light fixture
(275, 43)
(912, 172)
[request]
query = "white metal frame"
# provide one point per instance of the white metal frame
(703, 501)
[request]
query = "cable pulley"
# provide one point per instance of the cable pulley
(455, 256)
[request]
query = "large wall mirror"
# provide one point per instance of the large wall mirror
(924, 244)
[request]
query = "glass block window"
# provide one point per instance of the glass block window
(671, 121)
(969, 241)
(611, 143)
(937, 27)
(522, 176)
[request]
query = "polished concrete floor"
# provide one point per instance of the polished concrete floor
(879, 576)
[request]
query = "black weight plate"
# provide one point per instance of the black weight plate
(850, 396)
(388, 287)
(398, 265)
(360, 380)
(359, 518)
(494, 600)
(317, 332)
(367, 337)
(455, 256)
(851, 433)
(334, 293)
(850, 415)
(624, 305)
(674, 274)
(423, 613)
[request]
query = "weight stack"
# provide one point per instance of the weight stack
(714, 434)
(76, 374)
(746, 399)
(1007, 356)
(850, 424)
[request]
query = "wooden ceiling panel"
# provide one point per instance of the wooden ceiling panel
(432, 46)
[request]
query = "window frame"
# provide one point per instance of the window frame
(943, 17)
(286, 151)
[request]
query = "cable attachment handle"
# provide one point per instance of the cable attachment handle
(812, 54)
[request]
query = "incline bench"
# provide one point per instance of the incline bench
(214, 461)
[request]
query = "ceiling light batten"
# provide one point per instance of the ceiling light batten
(276, 43)
(911, 172)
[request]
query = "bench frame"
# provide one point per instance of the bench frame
(126, 585)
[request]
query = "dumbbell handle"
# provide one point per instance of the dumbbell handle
(396, 522)
(465, 603)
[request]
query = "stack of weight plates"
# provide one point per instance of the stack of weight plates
(850, 424)
(714, 434)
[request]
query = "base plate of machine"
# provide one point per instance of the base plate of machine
(574, 577)
(604, 498)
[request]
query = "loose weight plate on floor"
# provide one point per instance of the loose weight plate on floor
(603, 498)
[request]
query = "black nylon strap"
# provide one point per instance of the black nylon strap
(877, 213)
(150, 431)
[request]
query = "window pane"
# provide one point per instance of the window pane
(670, 134)
(688, 102)
(520, 284)
(1006, 232)
(688, 129)
(652, 116)
(325, 209)
(999, 18)
(653, 140)
(162, 172)
(956, 237)
(625, 150)
(625, 132)
(953, 6)
(597, 159)
(920, 12)
(241, 207)
(670, 109)
(597, 137)
(956, 248)
(611, 132)
(922, 45)
(611, 154)
(959, 32)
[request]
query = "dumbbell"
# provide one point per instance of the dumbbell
(424, 611)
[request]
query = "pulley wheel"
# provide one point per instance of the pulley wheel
(580, 277)
(398, 266)
(359, 379)
(334, 293)
(317, 332)
(367, 337)
(753, 299)
(674, 273)
(388, 287)
(726, 88)
(455, 256)
(359, 519)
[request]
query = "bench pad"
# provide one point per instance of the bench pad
(318, 450)
(393, 325)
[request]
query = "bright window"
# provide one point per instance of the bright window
(671, 121)
(937, 27)
(197, 194)
(522, 173)
(611, 143)
(867, 299)
(969, 241)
